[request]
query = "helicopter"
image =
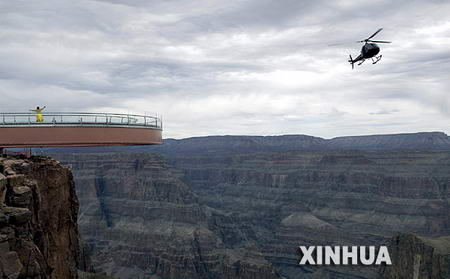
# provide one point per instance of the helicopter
(369, 50)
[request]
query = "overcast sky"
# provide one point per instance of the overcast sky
(214, 67)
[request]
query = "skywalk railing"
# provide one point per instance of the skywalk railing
(80, 119)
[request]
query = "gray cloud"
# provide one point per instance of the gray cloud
(231, 67)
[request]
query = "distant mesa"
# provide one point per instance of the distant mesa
(407, 141)
(78, 129)
(423, 140)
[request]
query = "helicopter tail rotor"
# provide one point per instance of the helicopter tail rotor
(351, 61)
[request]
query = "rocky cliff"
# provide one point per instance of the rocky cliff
(418, 258)
(140, 221)
(244, 214)
(38, 219)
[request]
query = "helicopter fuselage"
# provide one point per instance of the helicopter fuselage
(368, 50)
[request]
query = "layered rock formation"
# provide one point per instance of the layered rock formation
(38, 219)
(285, 199)
(418, 258)
(140, 221)
(242, 215)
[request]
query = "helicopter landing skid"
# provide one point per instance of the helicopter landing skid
(377, 58)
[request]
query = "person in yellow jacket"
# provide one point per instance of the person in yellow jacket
(38, 112)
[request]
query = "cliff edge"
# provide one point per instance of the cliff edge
(418, 257)
(38, 219)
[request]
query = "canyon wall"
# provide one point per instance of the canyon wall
(38, 219)
(139, 220)
(418, 257)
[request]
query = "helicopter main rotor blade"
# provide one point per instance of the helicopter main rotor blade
(373, 35)
(338, 44)
(386, 42)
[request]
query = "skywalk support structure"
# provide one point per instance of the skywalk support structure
(78, 129)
